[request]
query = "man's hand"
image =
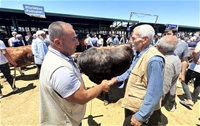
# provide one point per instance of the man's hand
(134, 121)
(112, 81)
(182, 77)
(106, 85)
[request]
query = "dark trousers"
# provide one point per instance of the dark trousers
(38, 69)
(190, 75)
(5, 69)
(154, 120)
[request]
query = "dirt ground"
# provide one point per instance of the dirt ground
(22, 107)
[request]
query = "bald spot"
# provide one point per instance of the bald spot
(172, 40)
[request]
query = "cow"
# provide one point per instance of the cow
(105, 63)
(22, 55)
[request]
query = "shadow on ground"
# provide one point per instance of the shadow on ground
(27, 77)
(91, 121)
(21, 90)
(114, 94)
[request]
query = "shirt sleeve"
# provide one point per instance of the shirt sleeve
(125, 75)
(2, 45)
(64, 82)
(154, 90)
(186, 51)
(34, 49)
(42, 48)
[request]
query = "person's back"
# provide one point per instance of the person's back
(166, 46)
(94, 41)
(181, 49)
(116, 40)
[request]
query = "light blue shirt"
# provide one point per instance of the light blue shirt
(39, 50)
(155, 71)
(115, 40)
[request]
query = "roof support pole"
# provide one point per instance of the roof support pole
(14, 22)
(99, 29)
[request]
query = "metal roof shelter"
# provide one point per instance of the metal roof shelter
(12, 19)
(17, 18)
(160, 28)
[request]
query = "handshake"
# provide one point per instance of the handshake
(106, 84)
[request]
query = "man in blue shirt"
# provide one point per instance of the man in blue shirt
(145, 80)
(116, 40)
(39, 50)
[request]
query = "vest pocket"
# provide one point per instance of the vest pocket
(137, 78)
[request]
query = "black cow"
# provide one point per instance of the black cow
(106, 62)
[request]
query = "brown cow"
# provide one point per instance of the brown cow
(22, 55)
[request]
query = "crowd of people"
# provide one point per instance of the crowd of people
(150, 82)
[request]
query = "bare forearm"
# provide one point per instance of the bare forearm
(195, 56)
(184, 66)
(93, 92)
(82, 96)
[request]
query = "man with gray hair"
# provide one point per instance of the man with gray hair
(145, 80)
(166, 45)
(39, 50)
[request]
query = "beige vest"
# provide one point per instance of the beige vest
(137, 82)
(55, 110)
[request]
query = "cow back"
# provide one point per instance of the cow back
(22, 55)
(106, 62)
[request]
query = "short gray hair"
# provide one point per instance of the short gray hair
(56, 30)
(146, 30)
(166, 46)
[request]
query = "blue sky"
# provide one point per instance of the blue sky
(181, 12)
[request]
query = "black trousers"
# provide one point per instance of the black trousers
(190, 74)
(154, 120)
(5, 69)
(38, 69)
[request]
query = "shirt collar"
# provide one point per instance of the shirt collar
(143, 51)
(170, 53)
(68, 58)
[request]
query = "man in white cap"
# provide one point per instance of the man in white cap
(12, 39)
(39, 50)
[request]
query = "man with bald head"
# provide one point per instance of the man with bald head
(166, 46)
(63, 95)
(183, 53)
